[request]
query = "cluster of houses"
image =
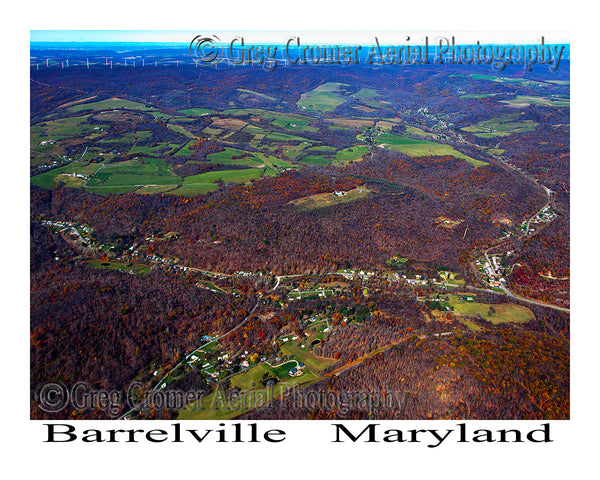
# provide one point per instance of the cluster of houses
(492, 271)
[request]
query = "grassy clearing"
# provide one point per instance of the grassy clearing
(273, 162)
(110, 104)
(283, 137)
(451, 277)
(259, 95)
(342, 157)
(151, 150)
(227, 176)
(321, 200)
(193, 190)
(226, 154)
(501, 126)
(196, 112)
(498, 313)
(322, 98)
(104, 190)
(365, 93)
(478, 95)
(419, 132)
(141, 166)
(351, 122)
(181, 129)
(62, 128)
(523, 81)
(313, 363)
(126, 267)
(215, 406)
(122, 180)
(421, 148)
(294, 125)
(154, 189)
(521, 101)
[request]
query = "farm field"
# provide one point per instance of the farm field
(227, 176)
(341, 157)
(501, 126)
(322, 99)
(521, 101)
(418, 148)
(496, 313)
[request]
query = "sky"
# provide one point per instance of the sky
(307, 36)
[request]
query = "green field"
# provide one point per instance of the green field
(273, 162)
(525, 100)
(365, 93)
(123, 180)
(140, 166)
(196, 112)
(501, 126)
(283, 137)
(419, 132)
(322, 98)
(103, 190)
(227, 176)
(498, 313)
(225, 155)
(47, 179)
(193, 190)
(304, 355)
(154, 189)
(181, 129)
(132, 173)
(216, 407)
(341, 157)
(62, 128)
(293, 124)
(523, 81)
(419, 148)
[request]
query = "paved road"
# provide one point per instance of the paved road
(186, 357)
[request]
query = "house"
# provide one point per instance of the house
(245, 364)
